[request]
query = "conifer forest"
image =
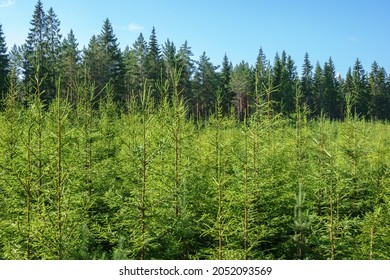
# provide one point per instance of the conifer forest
(150, 153)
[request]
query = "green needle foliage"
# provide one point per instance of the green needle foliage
(148, 154)
(84, 181)
(89, 180)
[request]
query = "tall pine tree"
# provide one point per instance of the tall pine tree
(95, 61)
(242, 86)
(333, 102)
(134, 67)
(318, 90)
(104, 62)
(277, 79)
(186, 64)
(52, 43)
(154, 63)
(360, 94)
(70, 63)
(42, 51)
(227, 94)
(307, 84)
(262, 69)
(290, 80)
(4, 64)
(34, 50)
(284, 79)
(379, 96)
(205, 86)
(114, 61)
(170, 58)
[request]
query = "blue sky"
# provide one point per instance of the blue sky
(344, 30)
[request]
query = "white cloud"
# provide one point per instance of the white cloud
(7, 3)
(132, 27)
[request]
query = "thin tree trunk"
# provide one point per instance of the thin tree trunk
(28, 202)
(331, 226)
(144, 178)
(372, 230)
(59, 180)
(246, 193)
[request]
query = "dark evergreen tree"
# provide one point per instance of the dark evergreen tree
(318, 90)
(16, 72)
(154, 63)
(186, 64)
(290, 79)
(284, 80)
(348, 88)
(70, 63)
(16, 60)
(205, 86)
(277, 79)
(95, 62)
(333, 102)
(262, 69)
(135, 67)
(41, 53)
(170, 58)
(227, 95)
(113, 59)
(128, 66)
(242, 86)
(379, 96)
(307, 84)
(359, 94)
(104, 62)
(34, 50)
(4, 64)
(52, 45)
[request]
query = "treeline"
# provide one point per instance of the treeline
(50, 57)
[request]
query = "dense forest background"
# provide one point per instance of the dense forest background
(52, 57)
(145, 153)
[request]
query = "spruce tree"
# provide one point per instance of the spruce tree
(4, 64)
(16, 60)
(154, 63)
(70, 63)
(379, 97)
(52, 38)
(289, 85)
(205, 85)
(283, 80)
(186, 64)
(227, 94)
(103, 59)
(360, 93)
(261, 76)
(170, 58)
(134, 67)
(333, 103)
(42, 51)
(307, 84)
(95, 62)
(348, 89)
(34, 50)
(242, 86)
(318, 90)
(277, 72)
(114, 61)
(128, 63)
